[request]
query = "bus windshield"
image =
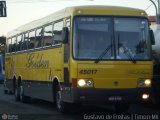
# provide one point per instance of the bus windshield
(111, 38)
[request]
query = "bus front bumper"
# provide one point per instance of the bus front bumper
(90, 95)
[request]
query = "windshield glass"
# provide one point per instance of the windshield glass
(93, 36)
(131, 35)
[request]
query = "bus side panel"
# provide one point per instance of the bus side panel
(37, 70)
(9, 72)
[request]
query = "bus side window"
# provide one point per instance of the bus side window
(13, 44)
(9, 45)
(31, 40)
(25, 42)
(57, 32)
(48, 38)
(19, 43)
(39, 37)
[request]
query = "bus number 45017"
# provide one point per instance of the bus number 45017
(88, 71)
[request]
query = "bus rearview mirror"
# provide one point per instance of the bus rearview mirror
(152, 39)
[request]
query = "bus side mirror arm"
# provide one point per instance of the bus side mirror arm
(152, 39)
(65, 33)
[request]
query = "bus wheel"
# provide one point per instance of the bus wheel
(23, 98)
(61, 106)
(122, 107)
(17, 93)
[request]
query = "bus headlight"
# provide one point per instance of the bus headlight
(145, 82)
(89, 83)
(85, 83)
(81, 82)
(141, 83)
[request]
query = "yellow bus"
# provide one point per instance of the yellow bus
(82, 54)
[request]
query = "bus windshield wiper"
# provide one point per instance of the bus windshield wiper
(103, 53)
(128, 54)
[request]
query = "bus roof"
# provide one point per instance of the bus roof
(86, 10)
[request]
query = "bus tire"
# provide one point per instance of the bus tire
(60, 104)
(23, 98)
(122, 107)
(17, 93)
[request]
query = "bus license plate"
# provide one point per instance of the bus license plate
(115, 98)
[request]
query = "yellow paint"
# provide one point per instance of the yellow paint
(109, 74)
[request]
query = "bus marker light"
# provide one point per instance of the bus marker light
(79, 11)
(74, 82)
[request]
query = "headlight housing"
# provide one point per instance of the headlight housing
(147, 82)
(81, 82)
(85, 83)
(144, 83)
